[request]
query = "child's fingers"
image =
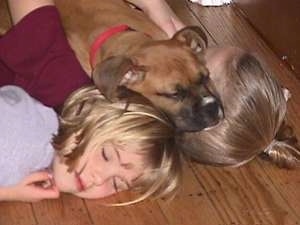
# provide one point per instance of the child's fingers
(36, 177)
(44, 192)
(50, 193)
(37, 193)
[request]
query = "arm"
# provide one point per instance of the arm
(28, 190)
(18, 10)
(161, 13)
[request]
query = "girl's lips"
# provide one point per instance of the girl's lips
(79, 183)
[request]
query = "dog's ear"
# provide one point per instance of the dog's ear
(192, 36)
(114, 72)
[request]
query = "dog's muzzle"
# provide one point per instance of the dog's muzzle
(200, 115)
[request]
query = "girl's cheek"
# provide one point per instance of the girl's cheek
(96, 192)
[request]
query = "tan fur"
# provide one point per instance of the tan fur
(83, 20)
(5, 20)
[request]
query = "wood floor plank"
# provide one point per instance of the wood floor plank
(192, 205)
(12, 213)
(245, 196)
(68, 210)
(146, 213)
(287, 183)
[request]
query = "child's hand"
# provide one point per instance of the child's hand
(161, 13)
(35, 187)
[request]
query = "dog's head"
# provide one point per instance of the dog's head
(171, 74)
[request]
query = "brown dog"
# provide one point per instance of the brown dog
(170, 73)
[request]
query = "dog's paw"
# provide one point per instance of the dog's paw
(212, 2)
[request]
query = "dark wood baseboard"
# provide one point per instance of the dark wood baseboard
(278, 22)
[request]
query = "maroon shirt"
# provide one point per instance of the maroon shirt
(36, 56)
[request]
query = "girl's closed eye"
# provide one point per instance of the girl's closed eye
(103, 153)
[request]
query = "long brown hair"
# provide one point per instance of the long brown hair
(255, 107)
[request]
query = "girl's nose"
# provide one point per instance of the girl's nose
(102, 175)
(99, 178)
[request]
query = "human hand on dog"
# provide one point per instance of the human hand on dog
(161, 13)
(35, 187)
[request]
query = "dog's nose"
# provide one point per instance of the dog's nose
(211, 109)
(203, 114)
(208, 100)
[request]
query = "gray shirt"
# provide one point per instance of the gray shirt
(26, 130)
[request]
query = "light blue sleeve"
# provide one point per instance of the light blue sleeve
(27, 128)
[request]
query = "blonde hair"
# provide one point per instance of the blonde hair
(255, 109)
(87, 118)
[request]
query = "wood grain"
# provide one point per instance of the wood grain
(16, 214)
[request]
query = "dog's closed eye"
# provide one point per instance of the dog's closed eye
(178, 95)
(204, 79)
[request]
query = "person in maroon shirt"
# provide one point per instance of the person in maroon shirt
(36, 56)
(35, 53)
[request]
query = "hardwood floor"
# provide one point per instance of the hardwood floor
(255, 194)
